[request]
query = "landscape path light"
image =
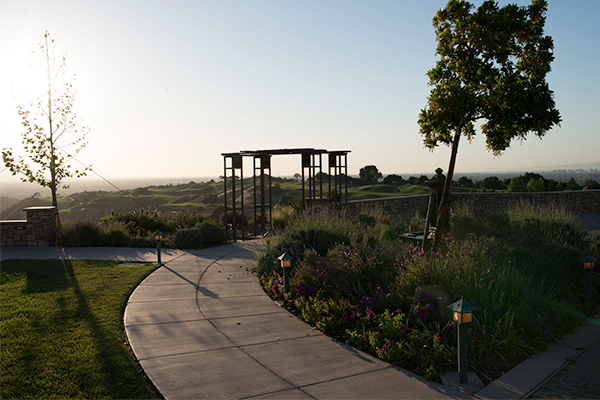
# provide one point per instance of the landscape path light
(286, 263)
(462, 314)
(588, 265)
(158, 236)
(268, 236)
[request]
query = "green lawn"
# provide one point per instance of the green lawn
(62, 331)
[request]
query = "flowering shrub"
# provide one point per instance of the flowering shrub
(412, 340)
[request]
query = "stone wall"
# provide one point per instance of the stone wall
(407, 207)
(36, 230)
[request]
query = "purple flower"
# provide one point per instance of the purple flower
(452, 327)
(441, 337)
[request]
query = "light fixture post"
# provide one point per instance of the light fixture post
(286, 263)
(158, 236)
(588, 266)
(268, 236)
(462, 315)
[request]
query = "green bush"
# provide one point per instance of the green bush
(212, 233)
(208, 233)
(189, 238)
(183, 219)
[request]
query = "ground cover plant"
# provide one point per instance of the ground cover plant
(355, 279)
(62, 332)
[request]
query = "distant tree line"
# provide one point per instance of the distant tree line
(528, 182)
(370, 175)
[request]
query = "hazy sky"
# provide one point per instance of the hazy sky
(167, 86)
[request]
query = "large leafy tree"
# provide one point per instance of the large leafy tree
(53, 134)
(370, 174)
(492, 68)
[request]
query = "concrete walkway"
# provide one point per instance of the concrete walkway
(201, 327)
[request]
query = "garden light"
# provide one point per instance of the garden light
(462, 314)
(588, 265)
(158, 236)
(268, 236)
(286, 263)
(462, 311)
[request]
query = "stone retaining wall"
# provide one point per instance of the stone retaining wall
(407, 207)
(36, 230)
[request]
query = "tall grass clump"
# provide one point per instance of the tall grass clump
(281, 217)
(91, 234)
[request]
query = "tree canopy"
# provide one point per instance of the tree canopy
(393, 179)
(370, 174)
(493, 66)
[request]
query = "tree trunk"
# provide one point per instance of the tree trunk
(442, 220)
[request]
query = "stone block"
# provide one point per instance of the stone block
(441, 297)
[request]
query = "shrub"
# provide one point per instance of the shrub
(212, 233)
(189, 238)
(207, 233)
(184, 219)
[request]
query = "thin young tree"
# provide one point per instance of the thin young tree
(53, 134)
(492, 68)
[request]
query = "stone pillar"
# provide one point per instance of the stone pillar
(41, 226)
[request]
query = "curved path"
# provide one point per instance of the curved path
(202, 327)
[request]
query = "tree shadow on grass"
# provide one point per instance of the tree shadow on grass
(92, 361)
(44, 276)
